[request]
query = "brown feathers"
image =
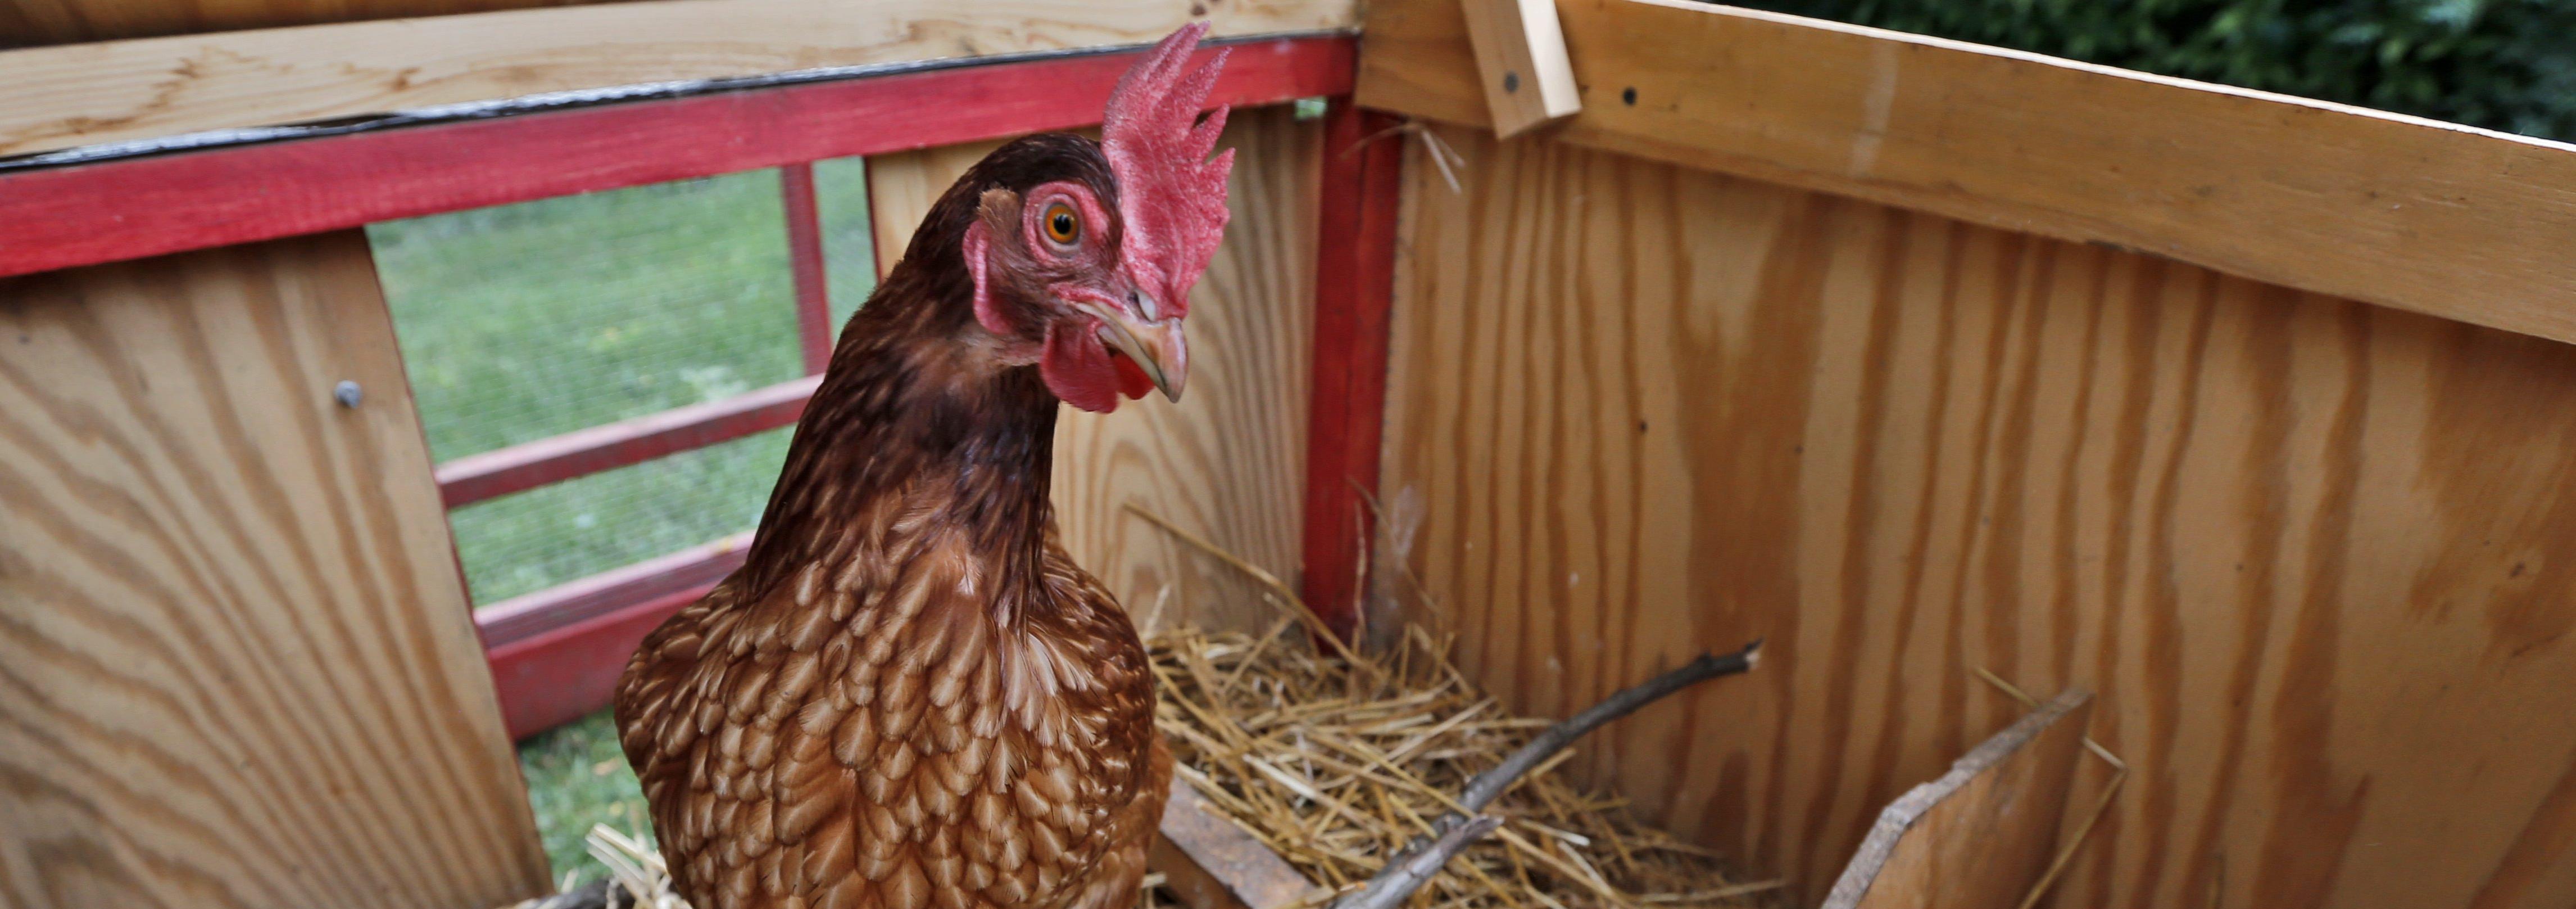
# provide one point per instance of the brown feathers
(909, 696)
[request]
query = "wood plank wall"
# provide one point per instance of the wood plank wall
(236, 663)
(2317, 557)
(1228, 460)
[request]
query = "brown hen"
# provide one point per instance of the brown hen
(910, 696)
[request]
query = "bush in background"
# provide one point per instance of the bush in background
(2502, 64)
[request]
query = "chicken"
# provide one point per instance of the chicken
(909, 695)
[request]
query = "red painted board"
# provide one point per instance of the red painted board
(1354, 288)
(805, 262)
(556, 653)
(523, 617)
(564, 674)
(528, 465)
(132, 208)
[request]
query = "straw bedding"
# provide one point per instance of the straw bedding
(1335, 764)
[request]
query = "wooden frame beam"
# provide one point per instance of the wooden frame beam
(528, 465)
(114, 91)
(1354, 292)
(805, 260)
(131, 208)
(556, 653)
(2446, 220)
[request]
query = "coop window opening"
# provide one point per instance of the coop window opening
(601, 361)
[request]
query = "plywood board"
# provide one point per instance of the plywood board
(2431, 217)
(1228, 460)
(236, 663)
(1979, 836)
(122, 90)
(2316, 558)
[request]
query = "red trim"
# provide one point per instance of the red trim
(1354, 289)
(528, 465)
(805, 260)
(127, 209)
(522, 617)
(564, 674)
(556, 653)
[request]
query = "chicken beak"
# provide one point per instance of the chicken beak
(1157, 346)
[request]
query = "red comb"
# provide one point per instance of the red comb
(1171, 195)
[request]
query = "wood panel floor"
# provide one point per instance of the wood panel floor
(2315, 556)
(237, 667)
(1227, 461)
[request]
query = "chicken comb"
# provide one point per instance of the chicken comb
(1171, 194)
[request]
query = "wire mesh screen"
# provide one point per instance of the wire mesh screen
(526, 321)
(552, 534)
(849, 245)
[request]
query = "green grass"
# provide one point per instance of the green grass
(526, 321)
(576, 778)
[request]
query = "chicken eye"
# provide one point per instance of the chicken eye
(1061, 224)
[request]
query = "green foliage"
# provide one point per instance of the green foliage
(2501, 64)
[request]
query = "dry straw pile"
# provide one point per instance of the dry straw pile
(1336, 761)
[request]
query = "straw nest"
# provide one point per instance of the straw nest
(1335, 762)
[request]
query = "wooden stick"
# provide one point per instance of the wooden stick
(1414, 869)
(1423, 858)
(1491, 783)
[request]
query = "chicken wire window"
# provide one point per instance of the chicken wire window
(551, 534)
(527, 321)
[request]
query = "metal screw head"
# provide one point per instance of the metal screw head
(1629, 96)
(1511, 81)
(348, 393)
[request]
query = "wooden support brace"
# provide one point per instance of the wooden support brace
(1354, 295)
(1520, 56)
(1982, 834)
(1211, 864)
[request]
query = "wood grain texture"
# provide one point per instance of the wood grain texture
(2432, 217)
(236, 663)
(1980, 835)
(119, 90)
(1228, 460)
(27, 23)
(2315, 557)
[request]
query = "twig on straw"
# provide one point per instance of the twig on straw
(1408, 873)
(1403, 875)
(1491, 783)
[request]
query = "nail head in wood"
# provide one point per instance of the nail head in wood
(1520, 56)
(348, 393)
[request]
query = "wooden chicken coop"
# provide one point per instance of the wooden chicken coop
(2255, 416)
